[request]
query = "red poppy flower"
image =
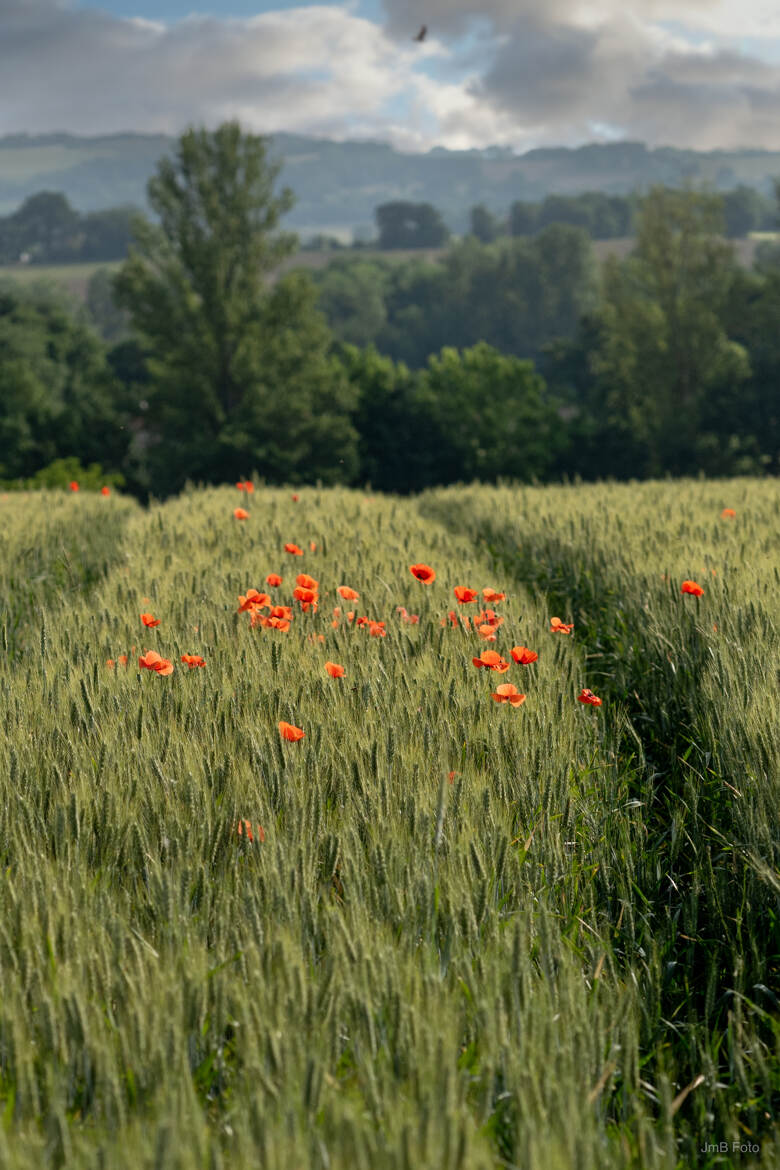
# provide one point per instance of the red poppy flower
(692, 588)
(282, 611)
(523, 655)
(74, 487)
(293, 548)
(122, 659)
(193, 660)
(241, 514)
(307, 582)
(423, 573)
(273, 579)
(412, 618)
(290, 732)
(294, 497)
(152, 661)
(272, 623)
(488, 618)
(493, 660)
(312, 546)
(240, 485)
(377, 629)
(105, 491)
(306, 595)
(587, 696)
(252, 600)
(334, 670)
(465, 596)
(728, 514)
(486, 633)
(109, 662)
(508, 693)
(347, 593)
(150, 620)
(559, 627)
(491, 595)
(451, 776)
(245, 827)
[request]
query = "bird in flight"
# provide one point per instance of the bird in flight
(421, 34)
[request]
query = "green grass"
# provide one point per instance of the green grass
(526, 967)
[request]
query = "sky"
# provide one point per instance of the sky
(703, 74)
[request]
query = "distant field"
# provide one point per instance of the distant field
(452, 932)
(75, 277)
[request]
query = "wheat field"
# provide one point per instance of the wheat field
(440, 930)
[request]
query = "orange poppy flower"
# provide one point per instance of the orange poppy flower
(587, 696)
(559, 627)
(508, 693)
(240, 485)
(105, 491)
(307, 582)
(307, 595)
(347, 593)
(423, 573)
(252, 600)
(486, 633)
(152, 661)
(282, 611)
(290, 732)
(293, 548)
(451, 776)
(377, 629)
(413, 619)
(491, 595)
(294, 497)
(193, 660)
(728, 514)
(272, 623)
(245, 485)
(74, 487)
(150, 620)
(350, 615)
(122, 659)
(109, 662)
(312, 546)
(492, 660)
(692, 588)
(241, 514)
(488, 618)
(334, 670)
(244, 826)
(273, 579)
(523, 655)
(465, 596)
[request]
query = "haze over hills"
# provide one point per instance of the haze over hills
(338, 184)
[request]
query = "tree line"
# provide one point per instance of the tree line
(47, 230)
(666, 362)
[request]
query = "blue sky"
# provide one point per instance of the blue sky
(516, 73)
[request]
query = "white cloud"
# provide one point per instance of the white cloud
(666, 71)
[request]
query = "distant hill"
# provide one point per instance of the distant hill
(338, 184)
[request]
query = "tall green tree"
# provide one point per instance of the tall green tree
(410, 225)
(664, 349)
(489, 416)
(241, 374)
(58, 397)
